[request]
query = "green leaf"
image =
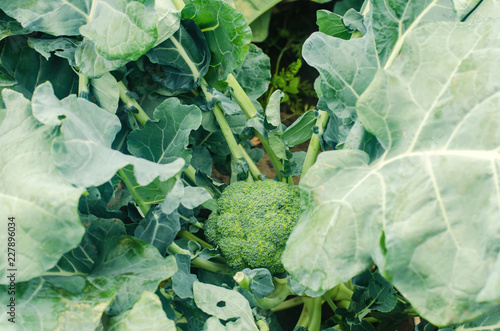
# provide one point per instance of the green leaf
(24, 65)
(167, 138)
(227, 34)
(159, 229)
(146, 311)
(224, 305)
(202, 160)
(105, 90)
(254, 74)
(486, 9)
(82, 259)
(331, 24)
(169, 18)
(183, 280)
(62, 47)
(190, 197)
(56, 17)
(86, 134)
(92, 64)
(261, 282)
(260, 27)
(96, 202)
(10, 27)
(123, 29)
(465, 7)
(252, 9)
(372, 292)
(392, 22)
(273, 118)
(32, 190)
(427, 231)
(184, 58)
(346, 67)
(341, 7)
(487, 322)
(42, 305)
(135, 267)
(301, 130)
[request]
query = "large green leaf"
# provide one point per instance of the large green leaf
(167, 138)
(135, 267)
(392, 21)
(92, 64)
(31, 190)
(27, 68)
(56, 17)
(10, 27)
(146, 312)
(252, 9)
(159, 229)
(346, 67)
(223, 304)
(227, 34)
(121, 29)
(43, 305)
(83, 151)
(71, 298)
(184, 58)
(254, 74)
(427, 211)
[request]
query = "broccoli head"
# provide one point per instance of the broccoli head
(253, 222)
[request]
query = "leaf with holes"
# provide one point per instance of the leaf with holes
(427, 211)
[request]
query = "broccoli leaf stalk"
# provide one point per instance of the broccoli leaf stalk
(280, 293)
(312, 311)
(315, 143)
(225, 128)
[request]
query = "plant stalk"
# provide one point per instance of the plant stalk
(225, 128)
(199, 263)
(188, 235)
(315, 143)
(297, 301)
(126, 180)
(249, 110)
(83, 86)
(140, 115)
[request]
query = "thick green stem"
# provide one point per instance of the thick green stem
(297, 301)
(199, 263)
(330, 302)
(179, 4)
(225, 128)
(140, 115)
(131, 188)
(315, 143)
(190, 173)
(314, 309)
(249, 110)
(188, 235)
(341, 292)
(262, 325)
(280, 293)
(303, 318)
(83, 86)
(254, 170)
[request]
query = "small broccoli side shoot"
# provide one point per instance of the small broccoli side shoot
(253, 223)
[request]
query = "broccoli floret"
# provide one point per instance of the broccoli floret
(253, 222)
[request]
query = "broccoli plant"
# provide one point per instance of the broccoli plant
(117, 114)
